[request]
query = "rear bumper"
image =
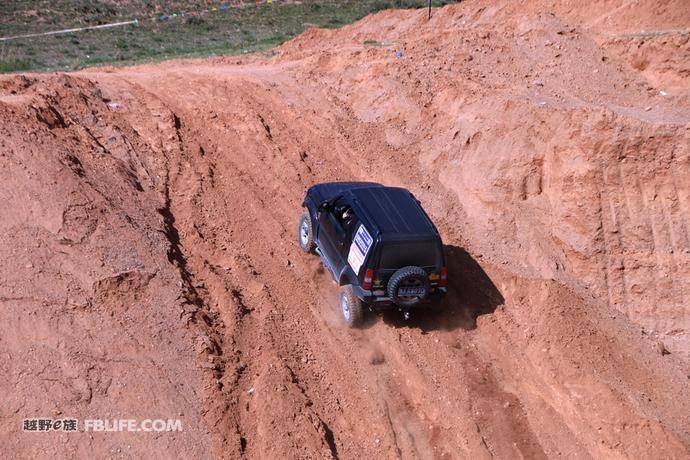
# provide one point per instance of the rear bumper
(383, 301)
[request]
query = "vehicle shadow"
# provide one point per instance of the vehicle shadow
(471, 293)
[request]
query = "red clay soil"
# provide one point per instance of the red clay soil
(150, 266)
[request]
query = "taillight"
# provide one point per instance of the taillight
(443, 280)
(368, 277)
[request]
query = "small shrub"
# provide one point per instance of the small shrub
(195, 21)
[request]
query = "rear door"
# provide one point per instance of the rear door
(396, 255)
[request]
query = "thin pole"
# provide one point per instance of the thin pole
(69, 31)
(429, 9)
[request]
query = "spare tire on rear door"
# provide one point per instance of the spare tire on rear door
(408, 286)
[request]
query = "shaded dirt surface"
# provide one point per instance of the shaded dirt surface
(150, 268)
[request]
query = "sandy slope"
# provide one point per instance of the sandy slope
(150, 270)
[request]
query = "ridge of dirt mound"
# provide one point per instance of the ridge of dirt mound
(150, 268)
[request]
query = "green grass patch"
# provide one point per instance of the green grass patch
(234, 31)
(16, 65)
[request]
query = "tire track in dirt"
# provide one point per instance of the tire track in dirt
(281, 235)
(243, 325)
(414, 418)
(405, 432)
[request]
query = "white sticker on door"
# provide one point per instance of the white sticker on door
(359, 248)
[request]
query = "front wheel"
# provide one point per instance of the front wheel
(304, 233)
(351, 307)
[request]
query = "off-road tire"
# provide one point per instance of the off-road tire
(305, 236)
(408, 275)
(351, 307)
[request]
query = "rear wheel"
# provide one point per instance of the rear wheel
(304, 233)
(351, 307)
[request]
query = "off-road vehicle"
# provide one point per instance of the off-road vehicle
(378, 244)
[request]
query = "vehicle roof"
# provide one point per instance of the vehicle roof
(392, 212)
(395, 212)
(329, 190)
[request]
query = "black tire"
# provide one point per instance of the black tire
(408, 277)
(305, 236)
(351, 307)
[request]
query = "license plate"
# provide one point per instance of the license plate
(410, 291)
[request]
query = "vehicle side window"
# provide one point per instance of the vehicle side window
(350, 226)
(347, 219)
(341, 211)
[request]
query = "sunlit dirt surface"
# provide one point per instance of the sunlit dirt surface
(150, 267)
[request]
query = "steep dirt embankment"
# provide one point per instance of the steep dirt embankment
(149, 268)
(93, 308)
(576, 166)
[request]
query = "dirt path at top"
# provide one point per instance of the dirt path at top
(164, 201)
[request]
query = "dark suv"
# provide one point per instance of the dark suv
(377, 242)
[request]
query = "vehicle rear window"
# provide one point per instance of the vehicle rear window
(422, 254)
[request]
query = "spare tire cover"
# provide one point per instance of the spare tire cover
(408, 286)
